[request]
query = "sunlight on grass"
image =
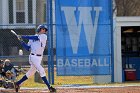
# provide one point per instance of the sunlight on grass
(31, 83)
(82, 80)
(59, 80)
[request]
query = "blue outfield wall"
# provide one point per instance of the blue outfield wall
(83, 37)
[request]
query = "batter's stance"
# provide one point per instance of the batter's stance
(36, 45)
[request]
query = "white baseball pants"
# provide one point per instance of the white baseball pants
(35, 62)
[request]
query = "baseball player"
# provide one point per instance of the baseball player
(36, 45)
(9, 68)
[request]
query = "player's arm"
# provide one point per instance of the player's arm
(30, 37)
(25, 45)
(43, 39)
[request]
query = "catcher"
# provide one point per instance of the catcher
(9, 71)
(8, 74)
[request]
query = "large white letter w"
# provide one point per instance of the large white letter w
(74, 28)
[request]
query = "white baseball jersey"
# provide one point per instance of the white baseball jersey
(37, 46)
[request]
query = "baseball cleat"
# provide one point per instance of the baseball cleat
(17, 87)
(52, 89)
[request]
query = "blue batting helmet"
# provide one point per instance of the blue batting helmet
(42, 27)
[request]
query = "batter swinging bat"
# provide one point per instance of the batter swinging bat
(13, 32)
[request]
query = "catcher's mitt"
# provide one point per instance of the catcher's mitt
(9, 74)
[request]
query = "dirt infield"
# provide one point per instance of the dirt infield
(122, 89)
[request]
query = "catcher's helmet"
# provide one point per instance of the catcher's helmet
(41, 27)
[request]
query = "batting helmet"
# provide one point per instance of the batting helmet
(41, 27)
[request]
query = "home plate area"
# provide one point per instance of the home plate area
(79, 89)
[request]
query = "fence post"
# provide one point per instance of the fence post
(48, 22)
(50, 42)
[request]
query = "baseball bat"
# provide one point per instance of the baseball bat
(14, 33)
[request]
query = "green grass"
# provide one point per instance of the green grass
(58, 80)
(83, 80)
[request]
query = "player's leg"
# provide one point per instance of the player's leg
(42, 73)
(40, 69)
(30, 72)
(43, 76)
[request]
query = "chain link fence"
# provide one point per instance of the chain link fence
(23, 16)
